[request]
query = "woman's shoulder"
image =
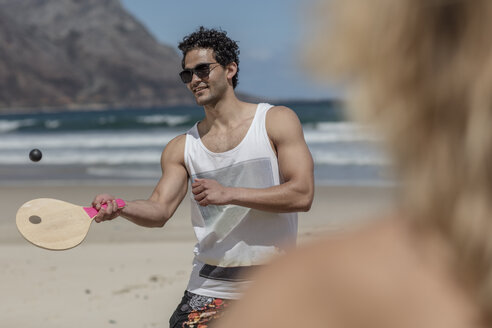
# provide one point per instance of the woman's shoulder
(373, 273)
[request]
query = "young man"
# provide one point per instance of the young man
(250, 172)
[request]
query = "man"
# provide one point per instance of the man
(250, 171)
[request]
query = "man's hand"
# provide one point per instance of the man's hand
(110, 212)
(210, 192)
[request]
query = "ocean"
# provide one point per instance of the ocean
(124, 145)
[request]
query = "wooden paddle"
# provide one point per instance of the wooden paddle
(54, 224)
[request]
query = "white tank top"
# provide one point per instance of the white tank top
(233, 236)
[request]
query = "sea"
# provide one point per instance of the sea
(124, 145)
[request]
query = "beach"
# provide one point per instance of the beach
(124, 275)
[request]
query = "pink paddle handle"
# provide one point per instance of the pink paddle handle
(92, 211)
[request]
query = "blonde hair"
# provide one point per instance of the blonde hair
(421, 73)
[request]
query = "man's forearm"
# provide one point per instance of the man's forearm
(146, 213)
(291, 196)
(286, 197)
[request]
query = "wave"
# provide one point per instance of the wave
(67, 123)
(324, 132)
(124, 172)
(151, 156)
(327, 133)
(126, 139)
(337, 159)
(128, 144)
(92, 157)
(310, 114)
(13, 125)
(330, 144)
(169, 120)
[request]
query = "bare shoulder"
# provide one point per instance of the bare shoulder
(343, 255)
(316, 280)
(177, 142)
(282, 122)
(369, 275)
(174, 149)
(281, 113)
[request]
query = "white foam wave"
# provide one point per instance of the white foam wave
(321, 133)
(85, 140)
(330, 144)
(70, 157)
(337, 132)
(120, 172)
(349, 159)
(152, 157)
(8, 126)
(171, 120)
(52, 124)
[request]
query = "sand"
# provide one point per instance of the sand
(124, 275)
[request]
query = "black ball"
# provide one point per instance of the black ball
(35, 155)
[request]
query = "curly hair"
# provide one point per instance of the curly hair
(225, 50)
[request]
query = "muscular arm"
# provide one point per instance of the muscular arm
(295, 165)
(165, 199)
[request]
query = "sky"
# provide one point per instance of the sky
(270, 34)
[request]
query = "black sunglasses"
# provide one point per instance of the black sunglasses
(200, 70)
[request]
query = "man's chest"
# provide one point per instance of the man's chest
(219, 142)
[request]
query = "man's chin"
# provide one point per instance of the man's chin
(202, 101)
(199, 102)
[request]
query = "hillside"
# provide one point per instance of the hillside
(82, 54)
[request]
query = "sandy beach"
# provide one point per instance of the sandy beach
(123, 275)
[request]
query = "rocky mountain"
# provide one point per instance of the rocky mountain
(82, 54)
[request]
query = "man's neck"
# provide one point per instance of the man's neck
(225, 112)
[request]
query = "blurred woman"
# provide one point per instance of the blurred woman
(420, 73)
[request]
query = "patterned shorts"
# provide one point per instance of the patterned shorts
(197, 311)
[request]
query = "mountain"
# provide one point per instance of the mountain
(82, 54)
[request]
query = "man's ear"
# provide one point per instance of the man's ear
(231, 70)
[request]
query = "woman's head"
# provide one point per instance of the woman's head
(420, 72)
